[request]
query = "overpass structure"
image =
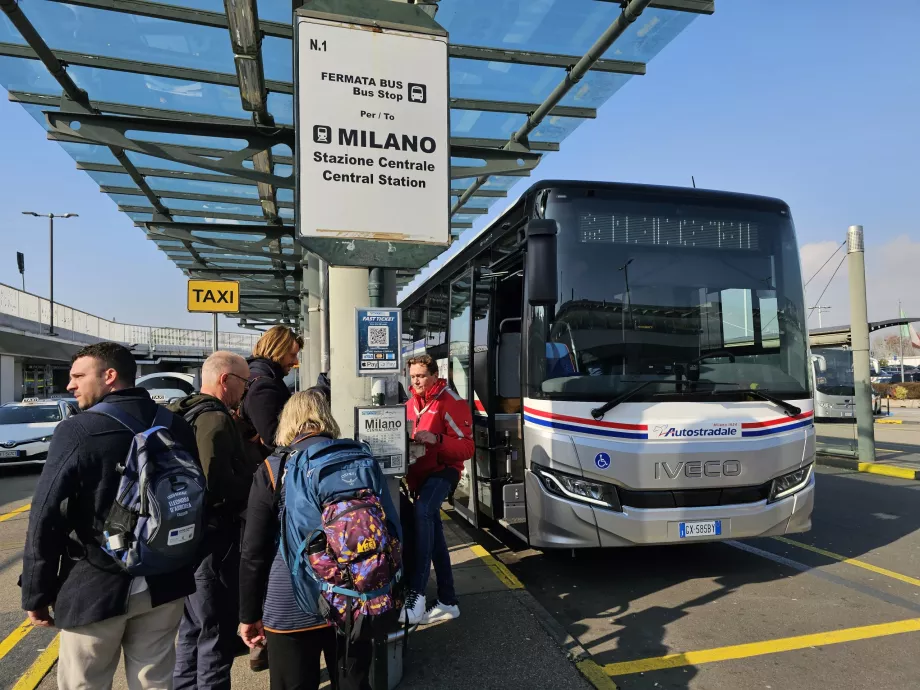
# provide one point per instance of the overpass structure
(184, 114)
(32, 362)
(838, 336)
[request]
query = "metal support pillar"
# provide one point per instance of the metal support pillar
(215, 336)
(859, 329)
(324, 358)
(51, 274)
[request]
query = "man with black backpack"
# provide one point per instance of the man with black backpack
(115, 576)
(207, 634)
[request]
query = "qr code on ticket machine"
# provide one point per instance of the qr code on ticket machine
(378, 336)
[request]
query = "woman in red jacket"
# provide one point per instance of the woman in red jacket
(443, 423)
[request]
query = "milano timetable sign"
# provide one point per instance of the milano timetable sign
(373, 132)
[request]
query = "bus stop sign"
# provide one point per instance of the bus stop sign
(373, 134)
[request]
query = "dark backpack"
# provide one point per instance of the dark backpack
(156, 524)
(354, 556)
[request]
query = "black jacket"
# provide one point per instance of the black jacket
(266, 591)
(266, 397)
(220, 449)
(76, 489)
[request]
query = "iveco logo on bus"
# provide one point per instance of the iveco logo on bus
(697, 469)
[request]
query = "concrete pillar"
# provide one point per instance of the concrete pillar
(17, 380)
(347, 290)
(311, 303)
(859, 333)
(7, 379)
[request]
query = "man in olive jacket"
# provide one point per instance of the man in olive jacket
(207, 634)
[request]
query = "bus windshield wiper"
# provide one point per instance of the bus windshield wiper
(779, 402)
(599, 412)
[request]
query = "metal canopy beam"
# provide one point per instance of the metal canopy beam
(251, 271)
(161, 172)
(269, 231)
(523, 108)
(231, 246)
(192, 214)
(191, 196)
(629, 14)
(528, 57)
(693, 6)
(193, 150)
(112, 131)
(476, 142)
(67, 57)
(493, 193)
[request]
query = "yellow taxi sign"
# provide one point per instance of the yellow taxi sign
(214, 295)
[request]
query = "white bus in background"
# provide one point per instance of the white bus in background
(835, 392)
(636, 361)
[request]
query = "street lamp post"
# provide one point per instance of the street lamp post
(50, 217)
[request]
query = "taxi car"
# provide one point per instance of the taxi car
(26, 428)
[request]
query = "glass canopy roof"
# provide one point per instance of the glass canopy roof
(172, 63)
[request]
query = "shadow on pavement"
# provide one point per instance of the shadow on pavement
(17, 483)
(857, 513)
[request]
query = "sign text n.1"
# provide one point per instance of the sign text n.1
(213, 296)
(374, 141)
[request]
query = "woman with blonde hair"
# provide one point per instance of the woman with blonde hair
(269, 612)
(273, 357)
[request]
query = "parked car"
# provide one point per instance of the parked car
(167, 386)
(26, 428)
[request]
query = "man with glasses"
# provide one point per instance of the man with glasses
(207, 639)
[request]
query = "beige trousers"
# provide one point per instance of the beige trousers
(89, 654)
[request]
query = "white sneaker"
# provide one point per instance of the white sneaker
(440, 612)
(414, 608)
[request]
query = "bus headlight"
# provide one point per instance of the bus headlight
(569, 486)
(790, 483)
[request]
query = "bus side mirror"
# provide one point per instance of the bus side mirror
(542, 280)
(820, 361)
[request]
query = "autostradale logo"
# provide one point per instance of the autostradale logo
(665, 431)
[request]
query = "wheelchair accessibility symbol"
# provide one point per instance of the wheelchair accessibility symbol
(602, 460)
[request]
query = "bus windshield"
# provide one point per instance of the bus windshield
(834, 371)
(660, 290)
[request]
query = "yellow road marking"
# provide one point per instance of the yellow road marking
(497, 567)
(14, 513)
(40, 667)
(14, 637)
(743, 651)
(852, 561)
(595, 675)
(889, 421)
(888, 470)
(588, 668)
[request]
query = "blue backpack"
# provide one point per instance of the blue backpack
(156, 524)
(336, 538)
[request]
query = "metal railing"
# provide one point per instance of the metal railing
(30, 314)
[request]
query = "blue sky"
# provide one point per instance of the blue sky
(814, 102)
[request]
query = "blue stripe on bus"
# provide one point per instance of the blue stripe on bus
(584, 430)
(775, 430)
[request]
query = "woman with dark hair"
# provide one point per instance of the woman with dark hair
(273, 357)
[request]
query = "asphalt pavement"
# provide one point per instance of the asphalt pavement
(838, 606)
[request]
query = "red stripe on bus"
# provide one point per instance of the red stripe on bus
(774, 422)
(581, 420)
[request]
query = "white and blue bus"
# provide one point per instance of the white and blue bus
(636, 360)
